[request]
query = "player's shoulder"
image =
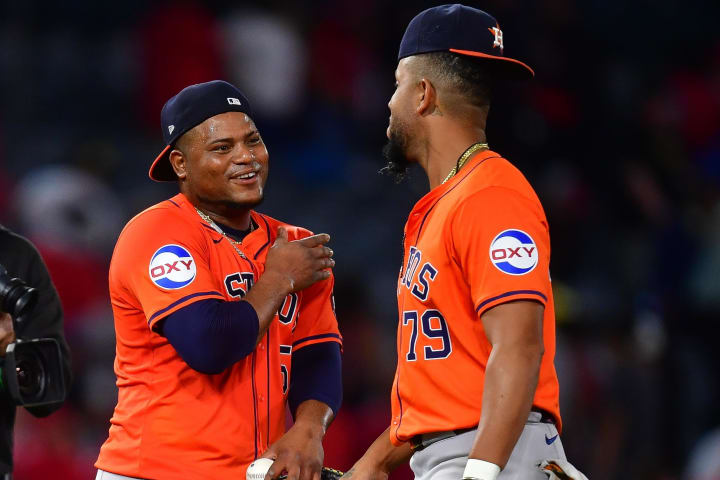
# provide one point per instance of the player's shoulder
(272, 224)
(169, 226)
(170, 222)
(495, 176)
(163, 216)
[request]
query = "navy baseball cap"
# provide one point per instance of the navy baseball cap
(192, 106)
(465, 31)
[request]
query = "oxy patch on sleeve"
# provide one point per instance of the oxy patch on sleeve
(514, 252)
(172, 267)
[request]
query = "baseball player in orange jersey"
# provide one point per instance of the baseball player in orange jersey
(475, 393)
(223, 315)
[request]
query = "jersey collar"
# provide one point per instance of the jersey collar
(254, 242)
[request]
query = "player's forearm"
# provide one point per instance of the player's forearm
(316, 375)
(510, 381)
(314, 416)
(383, 455)
(266, 297)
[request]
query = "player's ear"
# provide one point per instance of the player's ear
(178, 162)
(427, 98)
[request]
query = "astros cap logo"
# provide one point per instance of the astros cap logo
(498, 37)
(514, 252)
(172, 267)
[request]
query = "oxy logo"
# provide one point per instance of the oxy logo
(514, 252)
(172, 267)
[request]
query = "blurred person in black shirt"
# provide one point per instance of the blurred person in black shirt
(23, 261)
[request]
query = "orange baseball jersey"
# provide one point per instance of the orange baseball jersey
(474, 242)
(172, 422)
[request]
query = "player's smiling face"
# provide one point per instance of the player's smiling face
(226, 162)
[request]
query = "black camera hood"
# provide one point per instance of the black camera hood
(44, 357)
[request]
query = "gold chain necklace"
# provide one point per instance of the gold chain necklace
(464, 158)
(217, 228)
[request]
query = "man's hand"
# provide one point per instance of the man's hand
(302, 262)
(7, 334)
(557, 469)
(290, 267)
(299, 453)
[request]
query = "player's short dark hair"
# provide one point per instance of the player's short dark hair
(183, 143)
(467, 76)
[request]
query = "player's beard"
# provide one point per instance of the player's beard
(231, 205)
(244, 205)
(395, 152)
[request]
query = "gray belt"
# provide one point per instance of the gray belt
(424, 440)
(5, 476)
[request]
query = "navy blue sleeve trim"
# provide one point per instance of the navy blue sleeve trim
(210, 335)
(510, 294)
(316, 375)
(178, 302)
(316, 337)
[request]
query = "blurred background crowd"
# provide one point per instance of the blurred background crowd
(619, 133)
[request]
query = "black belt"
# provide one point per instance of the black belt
(545, 417)
(418, 442)
(424, 440)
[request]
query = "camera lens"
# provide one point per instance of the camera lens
(31, 377)
(25, 300)
(15, 296)
(18, 298)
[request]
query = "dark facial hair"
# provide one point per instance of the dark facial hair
(229, 206)
(394, 153)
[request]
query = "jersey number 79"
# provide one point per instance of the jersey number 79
(432, 325)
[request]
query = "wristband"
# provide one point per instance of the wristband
(480, 470)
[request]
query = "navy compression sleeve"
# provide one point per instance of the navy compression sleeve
(316, 375)
(211, 335)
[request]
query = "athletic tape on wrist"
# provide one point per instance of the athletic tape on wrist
(480, 470)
